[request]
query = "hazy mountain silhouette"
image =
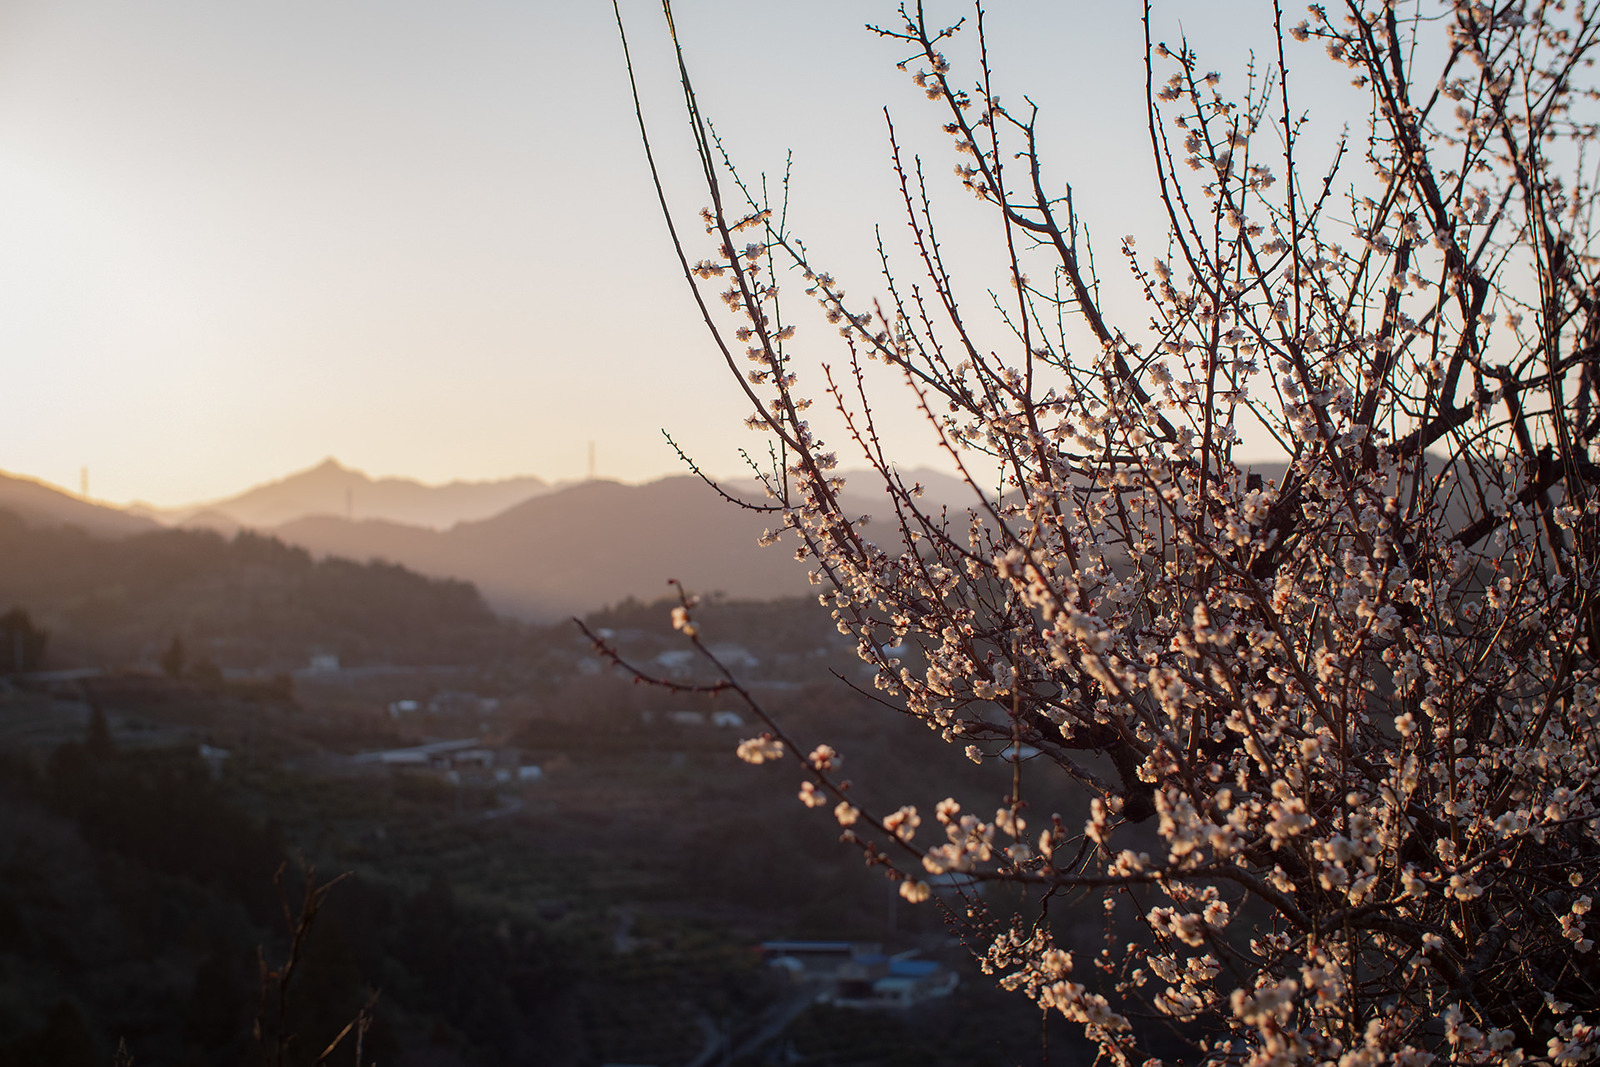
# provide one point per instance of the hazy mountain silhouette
(330, 488)
(575, 549)
(580, 547)
(553, 552)
(39, 504)
(567, 550)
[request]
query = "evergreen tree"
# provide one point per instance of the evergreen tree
(98, 741)
(22, 643)
(172, 660)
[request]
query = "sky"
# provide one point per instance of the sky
(420, 236)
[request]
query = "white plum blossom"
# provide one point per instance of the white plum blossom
(760, 749)
(682, 623)
(811, 796)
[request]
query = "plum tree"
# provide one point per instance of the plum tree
(1334, 716)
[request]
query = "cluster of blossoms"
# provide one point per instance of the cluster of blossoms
(1335, 719)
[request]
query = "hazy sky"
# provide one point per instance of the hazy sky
(238, 237)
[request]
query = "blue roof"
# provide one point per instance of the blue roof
(805, 946)
(913, 968)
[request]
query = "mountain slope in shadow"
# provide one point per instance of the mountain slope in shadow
(575, 549)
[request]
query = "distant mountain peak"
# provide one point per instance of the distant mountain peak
(331, 488)
(329, 469)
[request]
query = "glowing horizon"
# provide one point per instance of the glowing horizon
(240, 239)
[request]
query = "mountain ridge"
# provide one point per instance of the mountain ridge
(39, 503)
(580, 547)
(568, 549)
(331, 488)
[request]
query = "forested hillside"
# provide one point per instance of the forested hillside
(247, 602)
(135, 894)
